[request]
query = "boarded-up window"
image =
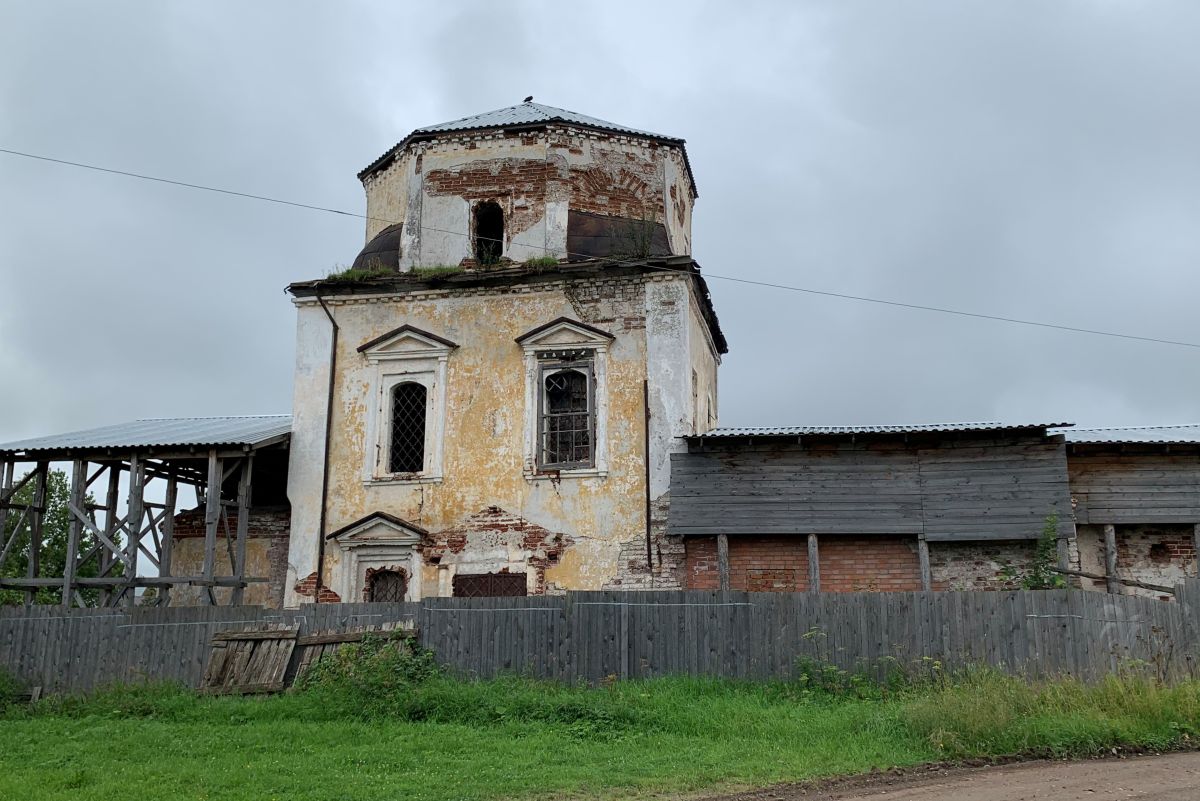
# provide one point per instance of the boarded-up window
(408, 429)
(489, 585)
(386, 586)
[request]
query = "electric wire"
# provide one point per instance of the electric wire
(706, 274)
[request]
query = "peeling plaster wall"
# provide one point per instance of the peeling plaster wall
(536, 177)
(1156, 554)
(980, 565)
(307, 448)
(388, 196)
(266, 556)
(483, 458)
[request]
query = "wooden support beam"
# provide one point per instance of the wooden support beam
(1127, 582)
(243, 524)
(212, 517)
(133, 525)
(37, 515)
(1111, 584)
(74, 529)
(111, 525)
(923, 556)
(814, 564)
(1196, 545)
(141, 581)
(168, 537)
(12, 489)
(6, 479)
(723, 562)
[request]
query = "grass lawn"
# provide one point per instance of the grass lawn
(440, 739)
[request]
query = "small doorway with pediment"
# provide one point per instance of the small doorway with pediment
(381, 560)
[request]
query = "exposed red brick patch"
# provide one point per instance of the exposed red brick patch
(308, 586)
(492, 526)
(780, 564)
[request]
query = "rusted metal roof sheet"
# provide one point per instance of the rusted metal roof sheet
(1183, 434)
(252, 431)
(819, 431)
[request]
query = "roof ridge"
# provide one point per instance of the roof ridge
(212, 417)
(873, 425)
(1141, 428)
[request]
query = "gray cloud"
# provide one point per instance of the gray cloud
(1027, 159)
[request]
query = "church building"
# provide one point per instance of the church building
(512, 391)
(486, 402)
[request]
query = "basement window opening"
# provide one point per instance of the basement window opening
(490, 585)
(489, 232)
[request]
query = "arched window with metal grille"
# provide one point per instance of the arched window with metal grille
(407, 453)
(567, 423)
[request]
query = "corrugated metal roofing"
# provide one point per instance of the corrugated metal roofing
(1184, 434)
(167, 432)
(533, 114)
(811, 431)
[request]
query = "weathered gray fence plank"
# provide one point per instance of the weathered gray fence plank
(592, 635)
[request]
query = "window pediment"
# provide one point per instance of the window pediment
(406, 342)
(378, 528)
(564, 333)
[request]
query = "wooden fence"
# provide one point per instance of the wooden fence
(592, 635)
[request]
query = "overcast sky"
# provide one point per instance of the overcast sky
(1028, 159)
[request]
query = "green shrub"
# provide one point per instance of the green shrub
(11, 691)
(542, 262)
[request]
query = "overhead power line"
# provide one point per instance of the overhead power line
(718, 276)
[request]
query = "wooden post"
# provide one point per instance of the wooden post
(814, 564)
(243, 525)
(36, 516)
(923, 555)
(1196, 545)
(133, 525)
(1110, 560)
(6, 480)
(212, 519)
(168, 542)
(74, 529)
(723, 561)
(111, 519)
(1064, 549)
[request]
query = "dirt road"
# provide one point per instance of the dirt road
(1174, 777)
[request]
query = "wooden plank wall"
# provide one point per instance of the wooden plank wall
(593, 635)
(1114, 487)
(949, 489)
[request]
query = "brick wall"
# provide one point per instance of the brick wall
(980, 565)
(498, 541)
(667, 556)
(780, 564)
(266, 554)
(1155, 554)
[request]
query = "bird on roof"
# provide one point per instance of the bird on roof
(529, 99)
